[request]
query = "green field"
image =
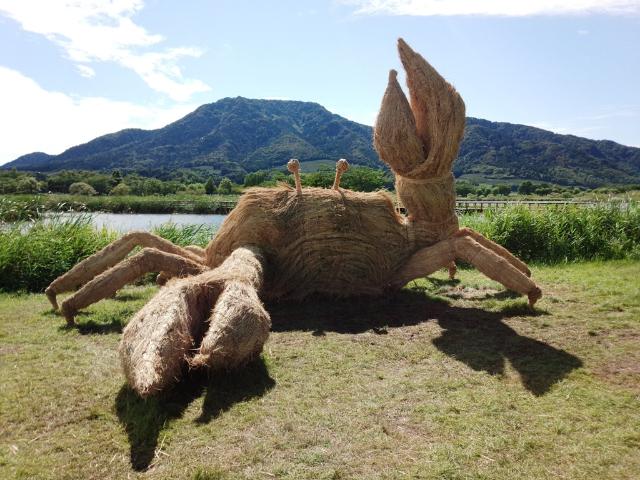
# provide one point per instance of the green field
(452, 380)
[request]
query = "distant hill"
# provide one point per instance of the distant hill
(234, 136)
(230, 137)
(498, 151)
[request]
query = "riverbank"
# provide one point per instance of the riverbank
(22, 207)
(18, 207)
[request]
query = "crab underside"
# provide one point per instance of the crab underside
(291, 242)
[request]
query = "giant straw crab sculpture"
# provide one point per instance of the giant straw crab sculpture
(289, 242)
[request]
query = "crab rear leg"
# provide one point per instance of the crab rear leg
(466, 247)
(109, 256)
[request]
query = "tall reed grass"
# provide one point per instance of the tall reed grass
(32, 254)
(563, 233)
(184, 235)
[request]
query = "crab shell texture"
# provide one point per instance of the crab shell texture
(344, 243)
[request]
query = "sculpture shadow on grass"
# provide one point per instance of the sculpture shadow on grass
(91, 324)
(144, 419)
(476, 337)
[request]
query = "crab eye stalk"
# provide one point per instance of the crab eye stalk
(341, 166)
(294, 167)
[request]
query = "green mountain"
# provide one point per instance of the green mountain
(498, 151)
(235, 136)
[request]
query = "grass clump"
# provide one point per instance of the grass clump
(563, 233)
(32, 254)
(184, 235)
(15, 211)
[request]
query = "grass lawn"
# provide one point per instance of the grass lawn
(450, 380)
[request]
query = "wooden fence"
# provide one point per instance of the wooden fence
(462, 206)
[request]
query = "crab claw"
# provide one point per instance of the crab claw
(394, 134)
(438, 110)
(217, 315)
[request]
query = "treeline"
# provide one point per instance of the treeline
(79, 182)
(358, 178)
(467, 189)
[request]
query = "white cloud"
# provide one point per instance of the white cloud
(514, 8)
(34, 119)
(103, 31)
(86, 71)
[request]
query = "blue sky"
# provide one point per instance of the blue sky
(73, 70)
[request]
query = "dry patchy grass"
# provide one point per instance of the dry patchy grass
(450, 380)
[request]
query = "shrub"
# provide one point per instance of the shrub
(209, 187)
(27, 185)
(81, 188)
(120, 190)
(225, 186)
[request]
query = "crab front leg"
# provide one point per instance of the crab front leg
(217, 315)
(465, 247)
(110, 255)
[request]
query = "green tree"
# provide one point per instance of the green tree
(116, 178)
(225, 186)
(464, 188)
(323, 178)
(195, 188)
(363, 179)
(27, 185)
(61, 181)
(502, 189)
(152, 186)
(120, 189)
(209, 187)
(81, 188)
(526, 188)
(255, 178)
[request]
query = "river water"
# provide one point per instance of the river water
(125, 222)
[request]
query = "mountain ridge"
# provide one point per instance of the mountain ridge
(235, 136)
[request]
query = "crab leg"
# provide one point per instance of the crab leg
(111, 255)
(108, 283)
(239, 325)
(497, 249)
(429, 259)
